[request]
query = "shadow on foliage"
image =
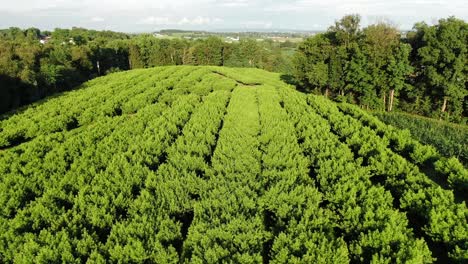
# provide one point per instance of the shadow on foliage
(289, 79)
(16, 95)
(13, 93)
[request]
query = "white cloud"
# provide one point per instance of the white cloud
(184, 21)
(199, 20)
(235, 3)
(97, 19)
(255, 24)
(152, 20)
(144, 15)
(373, 7)
(195, 21)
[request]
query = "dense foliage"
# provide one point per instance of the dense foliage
(216, 165)
(449, 139)
(34, 64)
(425, 71)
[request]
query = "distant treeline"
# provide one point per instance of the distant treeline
(34, 63)
(424, 71)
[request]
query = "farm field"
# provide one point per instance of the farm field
(186, 164)
(449, 139)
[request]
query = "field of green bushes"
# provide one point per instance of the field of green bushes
(451, 140)
(220, 165)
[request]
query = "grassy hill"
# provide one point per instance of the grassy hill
(217, 165)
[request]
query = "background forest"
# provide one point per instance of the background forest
(423, 71)
(34, 63)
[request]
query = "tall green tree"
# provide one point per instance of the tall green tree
(359, 78)
(346, 30)
(444, 62)
(135, 57)
(388, 61)
(398, 70)
(338, 60)
(208, 52)
(311, 69)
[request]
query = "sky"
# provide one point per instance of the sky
(218, 15)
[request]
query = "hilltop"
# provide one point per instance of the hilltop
(211, 165)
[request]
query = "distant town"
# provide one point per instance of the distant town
(230, 37)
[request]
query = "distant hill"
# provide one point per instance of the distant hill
(294, 35)
(171, 31)
(220, 165)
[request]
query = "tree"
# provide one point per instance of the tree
(342, 36)
(398, 70)
(208, 52)
(311, 62)
(336, 69)
(81, 58)
(380, 41)
(444, 57)
(135, 58)
(177, 50)
(346, 30)
(359, 78)
(32, 34)
(15, 33)
(251, 52)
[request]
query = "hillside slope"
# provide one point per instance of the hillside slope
(449, 139)
(210, 165)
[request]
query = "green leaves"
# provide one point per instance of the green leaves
(427, 204)
(211, 164)
(443, 55)
(457, 175)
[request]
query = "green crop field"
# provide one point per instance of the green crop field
(220, 165)
(449, 139)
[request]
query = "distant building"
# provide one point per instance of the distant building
(278, 39)
(45, 39)
(404, 33)
(232, 39)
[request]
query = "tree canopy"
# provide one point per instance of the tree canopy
(423, 71)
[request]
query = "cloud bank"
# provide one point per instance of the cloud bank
(150, 15)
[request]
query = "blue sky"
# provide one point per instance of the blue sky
(150, 15)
